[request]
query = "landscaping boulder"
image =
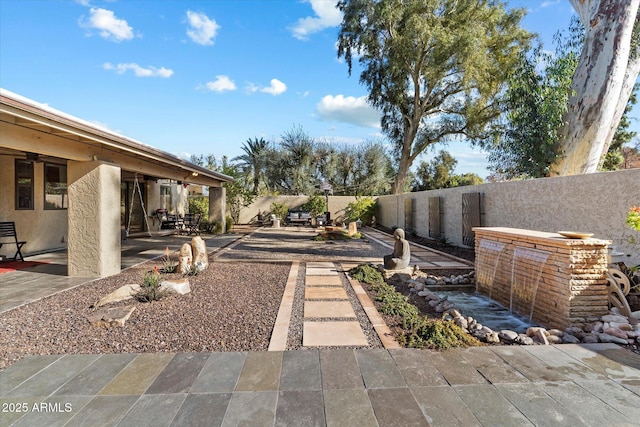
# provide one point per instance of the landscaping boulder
(199, 252)
(121, 294)
(110, 317)
(186, 258)
(180, 286)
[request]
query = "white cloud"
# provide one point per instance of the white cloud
(138, 70)
(327, 15)
(349, 109)
(275, 88)
(221, 84)
(108, 26)
(202, 30)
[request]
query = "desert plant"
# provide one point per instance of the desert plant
(280, 210)
(168, 264)
(192, 271)
(228, 223)
(150, 288)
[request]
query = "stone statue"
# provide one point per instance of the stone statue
(401, 255)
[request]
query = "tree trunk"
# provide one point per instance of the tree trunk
(597, 84)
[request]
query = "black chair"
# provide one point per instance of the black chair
(8, 231)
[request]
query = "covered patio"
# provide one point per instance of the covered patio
(62, 183)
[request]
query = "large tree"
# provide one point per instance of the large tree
(604, 80)
(434, 68)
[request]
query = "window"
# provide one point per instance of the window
(165, 197)
(55, 187)
(24, 185)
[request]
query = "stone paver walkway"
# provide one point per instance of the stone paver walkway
(587, 385)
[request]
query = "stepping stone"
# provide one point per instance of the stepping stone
(319, 309)
(323, 281)
(325, 293)
(320, 265)
(322, 271)
(332, 334)
(450, 264)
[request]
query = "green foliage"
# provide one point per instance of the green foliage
(434, 69)
(366, 274)
(438, 173)
(316, 205)
(238, 194)
(362, 208)
(393, 302)
(253, 161)
(199, 205)
(633, 218)
(150, 288)
(421, 332)
(524, 145)
(216, 227)
(280, 210)
(229, 223)
(614, 157)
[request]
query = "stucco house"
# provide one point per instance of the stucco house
(69, 183)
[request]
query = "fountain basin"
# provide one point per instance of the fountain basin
(571, 284)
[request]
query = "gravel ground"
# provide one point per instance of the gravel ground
(231, 307)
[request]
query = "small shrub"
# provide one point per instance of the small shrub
(316, 205)
(280, 210)
(228, 223)
(421, 332)
(393, 302)
(363, 208)
(216, 227)
(150, 288)
(366, 274)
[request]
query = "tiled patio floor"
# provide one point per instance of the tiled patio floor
(590, 385)
(573, 385)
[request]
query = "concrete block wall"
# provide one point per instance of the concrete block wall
(596, 203)
(337, 205)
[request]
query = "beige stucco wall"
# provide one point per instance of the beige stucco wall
(337, 205)
(595, 203)
(42, 230)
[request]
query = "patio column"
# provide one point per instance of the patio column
(94, 218)
(218, 206)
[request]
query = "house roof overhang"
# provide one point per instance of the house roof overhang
(50, 132)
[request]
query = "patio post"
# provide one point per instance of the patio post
(94, 218)
(218, 206)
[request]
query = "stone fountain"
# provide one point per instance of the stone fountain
(553, 280)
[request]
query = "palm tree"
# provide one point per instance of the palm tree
(254, 159)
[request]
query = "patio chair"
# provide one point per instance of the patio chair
(8, 231)
(192, 224)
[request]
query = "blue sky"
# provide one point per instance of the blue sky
(200, 77)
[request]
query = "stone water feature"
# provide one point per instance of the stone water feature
(554, 281)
